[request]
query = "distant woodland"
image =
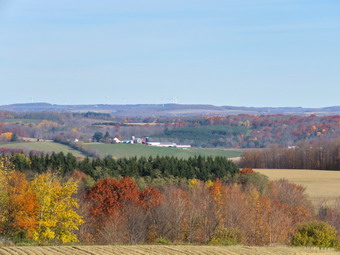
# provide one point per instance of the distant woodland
(235, 131)
(323, 155)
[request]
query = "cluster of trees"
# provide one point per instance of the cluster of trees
(203, 168)
(200, 212)
(318, 155)
(42, 209)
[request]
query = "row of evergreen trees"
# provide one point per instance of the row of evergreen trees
(202, 168)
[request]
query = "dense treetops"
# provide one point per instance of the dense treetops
(45, 208)
(203, 168)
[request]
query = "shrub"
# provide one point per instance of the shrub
(316, 233)
(226, 236)
(161, 240)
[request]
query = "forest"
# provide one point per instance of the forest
(47, 208)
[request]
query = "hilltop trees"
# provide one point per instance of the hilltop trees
(242, 208)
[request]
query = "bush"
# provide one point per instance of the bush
(316, 233)
(161, 240)
(226, 236)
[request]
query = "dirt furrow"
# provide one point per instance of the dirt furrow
(98, 250)
(220, 251)
(56, 250)
(79, 250)
(26, 250)
(5, 251)
(133, 251)
(112, 250)
(179, 250)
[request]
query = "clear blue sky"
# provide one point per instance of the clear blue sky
(221, 52)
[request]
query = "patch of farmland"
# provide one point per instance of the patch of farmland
(160, 250)
(138, 150)
(44, 147)
(321, 185)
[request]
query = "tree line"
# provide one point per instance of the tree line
(203, 168)
(318, 155)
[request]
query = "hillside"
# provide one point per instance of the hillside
(170, 109)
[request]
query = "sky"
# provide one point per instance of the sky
(241, 53)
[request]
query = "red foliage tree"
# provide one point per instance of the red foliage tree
(109, 195)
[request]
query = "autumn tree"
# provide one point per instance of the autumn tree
(23, 207)
(57, 219)
(111, 199)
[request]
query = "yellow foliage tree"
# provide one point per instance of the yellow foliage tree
(57, 218)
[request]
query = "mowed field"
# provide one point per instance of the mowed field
(131, 150)
(161, 250)
(43, 146)
(321, 185)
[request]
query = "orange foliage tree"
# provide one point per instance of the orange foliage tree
(23, 207)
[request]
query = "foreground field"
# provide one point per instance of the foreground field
(321, 186)
(43, 146)
(130, 150)
(162, 250)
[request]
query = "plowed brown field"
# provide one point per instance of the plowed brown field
(161, 250)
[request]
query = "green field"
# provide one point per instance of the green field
(43, 146)
(131, 150)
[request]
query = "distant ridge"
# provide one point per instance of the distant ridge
(170, 109)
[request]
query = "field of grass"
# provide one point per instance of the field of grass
(130, 150)
(320, 185)
(205, 136)
(162, 250)
(43, 146)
